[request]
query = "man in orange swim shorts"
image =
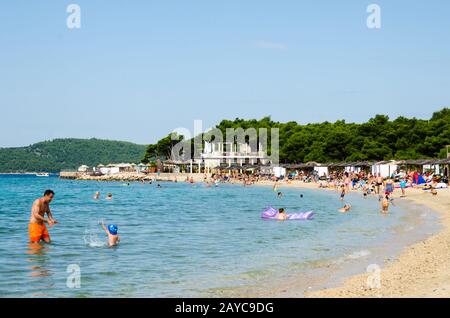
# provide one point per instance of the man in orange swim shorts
(37, 229)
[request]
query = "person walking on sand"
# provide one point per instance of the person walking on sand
(378, 183)
(403, 187)
(37, 229)
(389, 186)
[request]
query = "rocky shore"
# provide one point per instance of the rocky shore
(133, 177)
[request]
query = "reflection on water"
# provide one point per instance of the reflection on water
(38, 267)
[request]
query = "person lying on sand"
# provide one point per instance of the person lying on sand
(111, 231)
(345, 209)
(281, 216)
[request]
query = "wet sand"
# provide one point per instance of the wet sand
(421, 270)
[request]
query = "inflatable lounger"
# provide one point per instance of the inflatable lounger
(271, 214)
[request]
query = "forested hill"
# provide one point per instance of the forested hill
(60, 154)
(379, 138)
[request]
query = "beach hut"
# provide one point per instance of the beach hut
(83, 168)
(357, 167)
(265, 170)
(431, 166)
(321, 170)
(111, 169)
(279, 172)
(384, 168)
(140, 168)
(445, 168)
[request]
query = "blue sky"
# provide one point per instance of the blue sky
(138, 69)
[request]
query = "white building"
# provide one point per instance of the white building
(279, 172)
(83, 168)
(215, 154)
(109, 169)
(321, 171)
(384, 168)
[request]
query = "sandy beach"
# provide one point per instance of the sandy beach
(421, 270)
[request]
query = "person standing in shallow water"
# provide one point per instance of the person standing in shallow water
(385, 205)
(36, 228)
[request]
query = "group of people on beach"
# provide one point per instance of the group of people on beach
(367, 184)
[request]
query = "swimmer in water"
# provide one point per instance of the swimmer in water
(279, 194)
(282, 216)
(111, 231)
(345, 209)
(301, 195)
(275, 187)
(109, 196)
(158, 186)
(97, 195)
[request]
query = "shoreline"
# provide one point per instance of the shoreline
(419, 270)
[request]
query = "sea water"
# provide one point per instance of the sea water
(186, 240)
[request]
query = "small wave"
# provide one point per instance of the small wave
(92, 239)
(358, 254)
(352, 256)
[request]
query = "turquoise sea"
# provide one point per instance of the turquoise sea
(187, 240)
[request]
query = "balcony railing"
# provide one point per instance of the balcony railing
(217, 154)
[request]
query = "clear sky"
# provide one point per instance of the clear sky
(135, 70)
